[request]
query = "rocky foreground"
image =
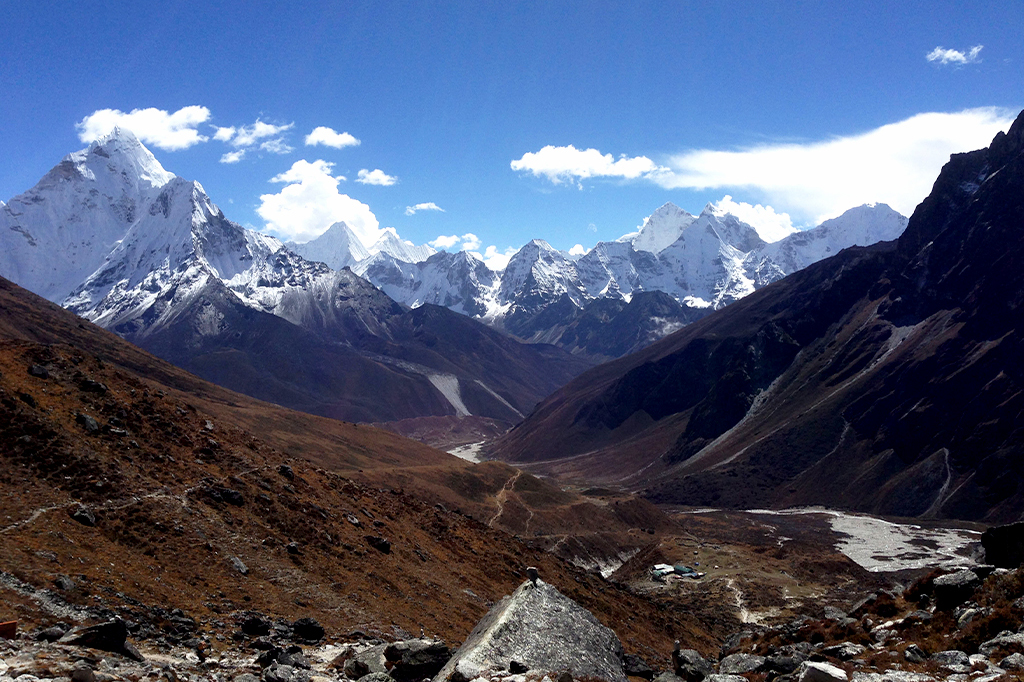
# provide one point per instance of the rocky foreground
(963, 625)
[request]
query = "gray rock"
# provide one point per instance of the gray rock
(83, 515)
(690, 665)
(239, 565)
(365, 662)
(784, 665)
(737, 664)
(82, 673)
(86, 422)
(811, 671)
(110, 636)
(954, 589)
(844, 651)
(415, 659)
(956, 661)
(637, 667)
(376, 677)
(1012, 662)
(668, 677)
(246, 677)
(914, 654)
(39, 371)
(1005, 640)
(892, 676)
(724, 677)
(521, 626)
(308, 629)
(285, 673)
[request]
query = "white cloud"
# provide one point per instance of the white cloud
(444, 242)
(470, 242)
(578, 250)
(223, 134)
(167, 131)
(276, 146)
(568, 164)
(770, 225)
(494, 259)
(427, 206)
(895, 164)
(330, 138)
(233, 157)
(944, 56)
(310, 202)
(246, 136)
(376, 177)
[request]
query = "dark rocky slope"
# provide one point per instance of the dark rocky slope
(885, 379)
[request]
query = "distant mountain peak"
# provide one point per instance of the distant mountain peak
(122, 153)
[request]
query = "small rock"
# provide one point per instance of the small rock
(376, 677)
(1013, 662)
(63, 582)
(239, 565)
(956, 661)
(689, 665)
(844, 651)
(245, 677)
(83, 515)
(517, 668)
(725, 677)
(109, 636)
(737, 664)
(82, 673)
(914, 654)
(811, 671)
(293, 548)
(51, 634)
(286, 471)
(635, 667)
(90, 386)
(254, 626)
(39, 371)
(954, 589)
(308, 629)
(87, 422)
(380, 544)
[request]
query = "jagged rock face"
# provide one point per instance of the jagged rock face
(885, 379)
(543, 630)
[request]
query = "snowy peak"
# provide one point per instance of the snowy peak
(338, 247)
(393, 245)
(120, 154)
(539, 271)
(860, 226)
(660, 229)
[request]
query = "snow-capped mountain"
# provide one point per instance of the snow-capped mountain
(459, 281)
(660, 229)
(57, 233)
(338, 247)
(158, 263)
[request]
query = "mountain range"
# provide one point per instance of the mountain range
(885, 379)
(383, 332)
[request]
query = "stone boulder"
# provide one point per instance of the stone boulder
(544, 630)
(954, 589)
(811, 671)
(416, 659)
(110, 636)
(738, 664)
(690, 665)
(1004, 545)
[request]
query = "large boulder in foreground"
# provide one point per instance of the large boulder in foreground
(540, 628)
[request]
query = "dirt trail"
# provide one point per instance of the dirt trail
(502, 497)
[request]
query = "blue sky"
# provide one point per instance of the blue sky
(473, 106)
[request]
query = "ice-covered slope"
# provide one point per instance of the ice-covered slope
(338, 247)
(459, 281)
(860, 226)
(56, 234)
(393, 245)
(660, 229)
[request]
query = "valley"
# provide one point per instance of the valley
(736, 445)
